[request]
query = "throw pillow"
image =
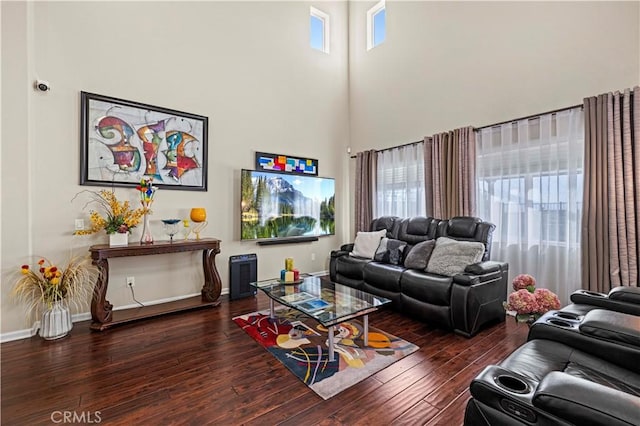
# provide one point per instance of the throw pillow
(418, 257)
(451, 257)
(366, 243)
(390, 251)
(382, 249)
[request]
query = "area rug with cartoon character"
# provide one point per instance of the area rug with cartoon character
(300, 344)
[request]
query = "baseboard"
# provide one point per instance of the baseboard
(20, 334)
(155, 302)
(85, 316)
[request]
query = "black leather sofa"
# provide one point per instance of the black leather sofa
(464, 302)
(579, 367)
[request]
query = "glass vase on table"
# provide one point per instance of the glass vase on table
(171, 227)
(147, 193)
(147, 236)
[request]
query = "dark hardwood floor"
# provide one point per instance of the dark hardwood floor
(200, 368)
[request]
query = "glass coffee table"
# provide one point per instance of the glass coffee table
(328, 303)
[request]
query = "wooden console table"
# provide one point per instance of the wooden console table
(102, 313)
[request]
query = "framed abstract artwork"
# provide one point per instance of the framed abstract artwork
(286, 164)
(124, 141)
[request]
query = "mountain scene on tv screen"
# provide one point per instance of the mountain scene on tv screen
(275, 206)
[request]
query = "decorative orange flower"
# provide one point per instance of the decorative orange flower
(49, 283)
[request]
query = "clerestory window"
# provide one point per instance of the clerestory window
(376, 25)
(319, 30)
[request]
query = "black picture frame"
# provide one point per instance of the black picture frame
(281, 163)
(123, 141)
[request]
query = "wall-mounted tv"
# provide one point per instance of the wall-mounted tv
(286, 206)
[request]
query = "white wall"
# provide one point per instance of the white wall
(443, 65)
(246, 65)
(446, 65)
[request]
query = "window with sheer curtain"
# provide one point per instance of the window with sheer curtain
(400, 182)
(529, 184)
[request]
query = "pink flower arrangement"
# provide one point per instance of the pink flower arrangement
(523, 302)
(523, 281)
(528, 302)
(547, 300)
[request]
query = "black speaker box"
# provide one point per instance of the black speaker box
(243, 269)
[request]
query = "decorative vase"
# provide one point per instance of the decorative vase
(146, 237)
(118, 239)
(199, 217)
(198, 214)
(56, 321)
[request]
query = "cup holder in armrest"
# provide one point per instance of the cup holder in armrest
(567, 316)
(560, 323)
(512, 384)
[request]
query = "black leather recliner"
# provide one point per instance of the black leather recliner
(579, 366)
(620, 299)
(463, 303)
(550, 383)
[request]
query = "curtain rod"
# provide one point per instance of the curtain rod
(490, 125)
(529, 116)
(495, 124)
(397, 146)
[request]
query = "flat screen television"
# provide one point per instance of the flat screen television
(286, 206)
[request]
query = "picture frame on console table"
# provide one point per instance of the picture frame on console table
(123, 141)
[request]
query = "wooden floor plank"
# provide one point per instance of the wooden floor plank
(420, 414)
(200, 368)
(453, 414)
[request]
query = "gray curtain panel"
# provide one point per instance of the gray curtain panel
(365, 189)
(450, 173)
(611, 209)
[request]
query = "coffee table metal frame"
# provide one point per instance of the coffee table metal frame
(352, 303)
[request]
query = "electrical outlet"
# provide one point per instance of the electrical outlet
(313, 256)
(79, 224)
(131, 282)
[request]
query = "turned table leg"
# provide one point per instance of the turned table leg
(212, 284)
(101, 309)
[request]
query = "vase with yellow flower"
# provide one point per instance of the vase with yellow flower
(117, 218)
(49, 290)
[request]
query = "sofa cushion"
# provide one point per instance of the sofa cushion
(467, 228)
(390, 251)
(418, 257)
(414, 230)
(389, 223)
(383, 276)
(451, 257)
(424, 287)
(366, 243)
(351, 267)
